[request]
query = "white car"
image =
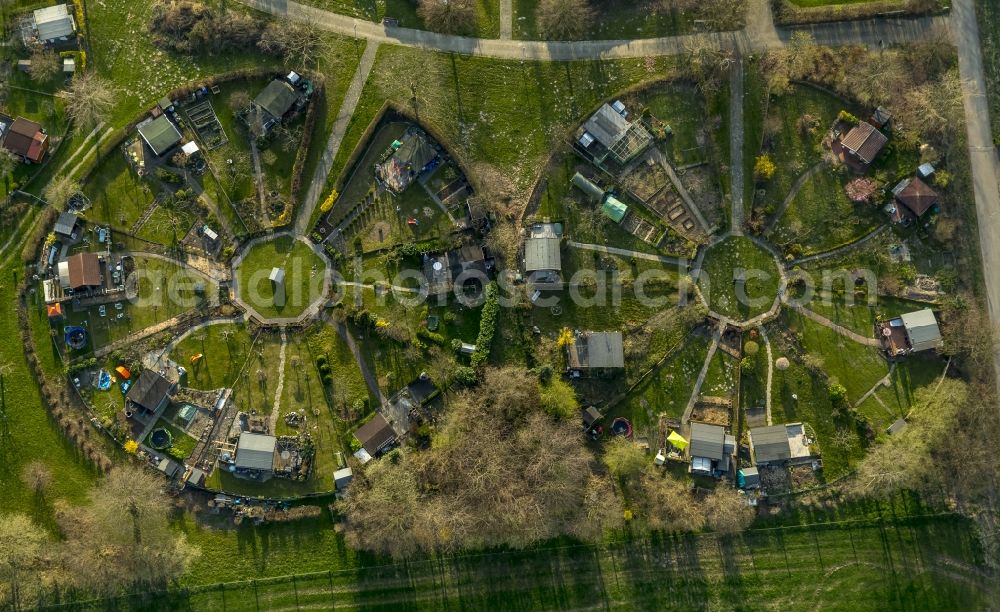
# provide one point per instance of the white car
(101, 310)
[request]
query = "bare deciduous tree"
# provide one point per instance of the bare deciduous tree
(37, 476)
(727, 511)
(22, 560)
(44, 63)
(59, 190)
(450, 16)
(89, 100)
(299, 42)
(564, 19)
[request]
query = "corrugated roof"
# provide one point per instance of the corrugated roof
(922, 329)
(65, 223)
(255, 451)
(865, 141)
(54, 22)
(606, 126)
(160, 134)
(707, 441)
(770, 443)
(605, 350)
(84, 270)
(542, 254)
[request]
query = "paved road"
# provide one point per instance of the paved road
(760, 34)
(302, 222)
(985, 165)
(506, 19)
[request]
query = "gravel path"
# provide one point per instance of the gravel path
(799, 182)
(770, 374)
(843, 331)
(841, 249)
(736, 133)
(336, 137)
(716, 337)
(276, 408)
(676, 261)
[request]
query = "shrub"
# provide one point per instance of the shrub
(465, 376)
(751, 347)
(847, 117)
(430, 336)
(456, 344)
(764, 168)
(838, 393)
(487, 326)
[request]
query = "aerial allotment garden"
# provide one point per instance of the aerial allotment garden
(318, 284)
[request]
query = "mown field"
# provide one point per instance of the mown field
(870, 561)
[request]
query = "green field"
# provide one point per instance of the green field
(988, 12)
(889, 561)
(304, 276)
(739, 279)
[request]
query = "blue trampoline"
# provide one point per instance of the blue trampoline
(76, 337)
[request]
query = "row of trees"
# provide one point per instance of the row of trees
(191, 27)
(122, 539)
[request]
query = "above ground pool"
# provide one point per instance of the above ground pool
(621, 427)
(104, 380)
(76, 337)
(160, 439)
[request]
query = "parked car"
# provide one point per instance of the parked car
(101, 310)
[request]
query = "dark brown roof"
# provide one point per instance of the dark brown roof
(149, 390)
(20, 136)
(864, 141)
(917, 197)
(375, 434)
(84, 270)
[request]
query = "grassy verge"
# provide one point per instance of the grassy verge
(989, 36)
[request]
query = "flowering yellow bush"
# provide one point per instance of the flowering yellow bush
(131, 447)
(565, 337)
(328, 202)
(381, 323)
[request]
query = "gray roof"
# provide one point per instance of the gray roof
(375, 435)
(708, 441)
(160, 134)
(770, 443)
(54, 22)
(542, 254)
(342, 478)
(922, 329)
(65, 223)
(277, 98)
(277, 275)
(606, 126)
(255, 451)
(605, 350)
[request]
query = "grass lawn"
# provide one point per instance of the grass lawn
(860, 317)
(165, 290)
(793, 149)
(668, 389)
(860, 565)
(854, 365)
(820, 217)
(627, 19)
(304, 273)
(118, 196)
(753, 384)
(504, 115)
(800, 395)
(169, 224)
(720, 380)
(348, 383)
(27, 432)
(724, 264)
(224, 348)
(892, 402)
(181, 443)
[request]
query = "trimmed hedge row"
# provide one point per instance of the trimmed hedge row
(487, 326)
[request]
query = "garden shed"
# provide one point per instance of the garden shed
(255, 452)
(160, 134)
